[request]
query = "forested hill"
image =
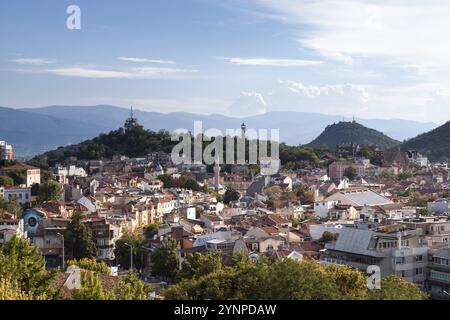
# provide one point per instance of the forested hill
(352, 132)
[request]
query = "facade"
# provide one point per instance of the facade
(337, 169)
(438, 275)
(403, 253)
(439, 206)
(23, 195)
(7, 151)
(10, 228)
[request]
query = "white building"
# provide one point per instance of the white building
(23, 195)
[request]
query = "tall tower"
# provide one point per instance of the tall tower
(243, 130)
(216, 173)
(131, 121)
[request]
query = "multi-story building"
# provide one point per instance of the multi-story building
(403, 253)
(105, 235)
(438, 275)
(7, 151)
(11, 227)
(436, 231)
(337, 169)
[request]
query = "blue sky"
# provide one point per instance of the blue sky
(377, 59)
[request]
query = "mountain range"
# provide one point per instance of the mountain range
(35, 130)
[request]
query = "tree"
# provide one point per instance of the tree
(165, 260)
(91, 288)
(90, 264)
(6, 181)
(19, 176)
(396, 288)
(12, 206)
(198, 265)
(11, 291)
(231, 195)
(351, 283)
(78, 239)
(123, 250)
(131, 288)
(351, 173)
(301, 281)
(151, 230)
(50, 190)
(327, 236)
(304, 195)
(22, 265)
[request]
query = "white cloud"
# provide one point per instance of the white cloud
(144, 60)
(32, 61)
(248, 104)
(398, 33)
(134, 73)
(273, 62)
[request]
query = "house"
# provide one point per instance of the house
(211, 221)
(104, 235)
(322, 208)
(11, 227)
(23, 195)
(7, 151)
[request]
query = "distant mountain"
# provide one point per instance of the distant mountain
(72, 124)
(32, 133)
(352, 132)
(434, 144)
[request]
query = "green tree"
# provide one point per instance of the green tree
(91, 288)
(12, 206)
(22, 264)
(151, 230)
(301, 281)
(198, 265)
(11, 291)
(78, 239)
(351, 283)
(351, 173)
(396, 288)
(6, 181)
(131, 288)
(231, 195)
(122, 250)
(90, 264)
(18, 176)
(165, 260)
(327, 236)
(50, 190)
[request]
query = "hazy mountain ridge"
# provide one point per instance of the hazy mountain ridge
(35, 130)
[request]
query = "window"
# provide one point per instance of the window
(399, 260)
(419, 271)
(419, 258)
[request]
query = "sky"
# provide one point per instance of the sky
(369, 59)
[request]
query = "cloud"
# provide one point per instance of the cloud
(397, 33)
(273, 62)
(248, 104)
(134, 73)
(32, 61)
(144, 60)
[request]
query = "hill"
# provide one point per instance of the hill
(434, 144)
(352, 132)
